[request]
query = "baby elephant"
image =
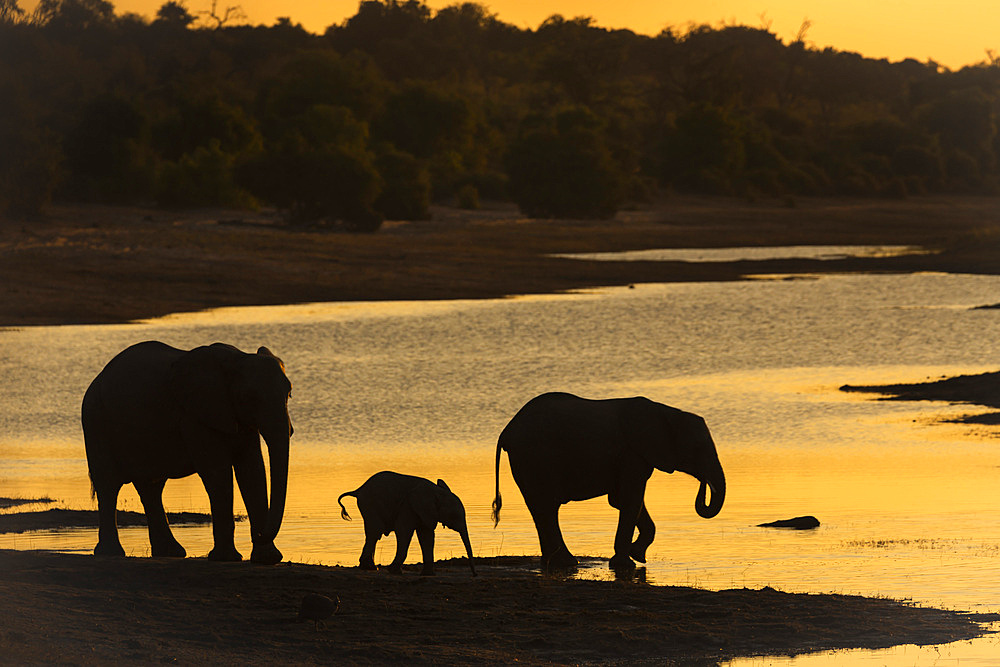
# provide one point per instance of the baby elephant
(391, 502)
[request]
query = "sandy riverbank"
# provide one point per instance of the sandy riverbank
(101, 264)
(77, 609)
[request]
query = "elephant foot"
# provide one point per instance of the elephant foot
(395, 568)
(561, 560)
(638, 552)
(621, 563)
(174, 550)
(109, 549)
(638, 575)
(428, 571)
(265, 555)
(367, 566)
(228, 554)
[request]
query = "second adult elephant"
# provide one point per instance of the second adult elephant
(562, 447)
(156, 413)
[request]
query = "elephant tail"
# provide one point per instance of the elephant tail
(343, 510)
(497, 501)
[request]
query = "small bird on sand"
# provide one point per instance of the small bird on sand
(317, 608)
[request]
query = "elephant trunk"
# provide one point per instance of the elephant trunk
(277, 449)
(717, 482)
(468, 548)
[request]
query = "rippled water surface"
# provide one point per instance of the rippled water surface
(824, 252)
(909, 506)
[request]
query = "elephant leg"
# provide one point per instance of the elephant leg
(250, 477)
(403, 537)
(108, 543)
(628, 515)
(219, 485)
(647, 530)
(555, 553)
(372, 536)
(161, 540)
(426, 538)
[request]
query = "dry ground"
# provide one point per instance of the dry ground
(99, 264)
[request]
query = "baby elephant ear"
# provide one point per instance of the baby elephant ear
(423, 502)
(443, 485)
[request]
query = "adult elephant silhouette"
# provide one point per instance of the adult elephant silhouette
(562, 447)
(156, 413)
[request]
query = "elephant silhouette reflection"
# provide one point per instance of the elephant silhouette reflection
(390, 502)
(156, 413)
(562, 447)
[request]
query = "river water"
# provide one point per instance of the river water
(909, 506)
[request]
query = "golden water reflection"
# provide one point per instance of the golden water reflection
(914, 516)
(740, 254)
(908, 505)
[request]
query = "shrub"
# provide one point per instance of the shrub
(319, 167)
(406, 189)
(560, 166)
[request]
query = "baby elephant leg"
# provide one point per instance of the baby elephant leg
(426, 538)
(403, 537)
(372, 535)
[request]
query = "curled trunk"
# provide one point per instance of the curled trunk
(716, 481)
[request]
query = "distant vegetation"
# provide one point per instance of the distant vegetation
(400, 106)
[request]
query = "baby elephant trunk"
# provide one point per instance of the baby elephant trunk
(464, 532)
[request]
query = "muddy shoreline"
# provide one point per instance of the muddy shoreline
(93, 264)
(982, 389)
(87, 610)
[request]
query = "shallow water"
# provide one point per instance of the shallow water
(757, 253)
(909, 506)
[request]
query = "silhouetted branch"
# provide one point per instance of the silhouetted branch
(230, 13)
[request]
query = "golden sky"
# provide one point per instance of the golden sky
(952, 32)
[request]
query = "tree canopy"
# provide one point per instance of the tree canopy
(399, 106)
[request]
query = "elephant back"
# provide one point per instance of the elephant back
(132, 386)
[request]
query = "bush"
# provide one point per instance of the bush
(704, 151)
(203, 177)
(318, 168)
(560, 167)
(29, 158)
(468, 197)
(406, 189)
(106, 152)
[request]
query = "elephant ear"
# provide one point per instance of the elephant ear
(265, 352)
(198, 385)
(650, 430)
(423, 502)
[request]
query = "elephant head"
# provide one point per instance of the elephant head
(670, 439)
(437, 503)
(245, 396)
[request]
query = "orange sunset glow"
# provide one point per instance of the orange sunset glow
(953, 34)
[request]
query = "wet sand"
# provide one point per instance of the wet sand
(982, 389)
(62, 608)
(98, 265)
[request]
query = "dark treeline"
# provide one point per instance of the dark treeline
(400, 106)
